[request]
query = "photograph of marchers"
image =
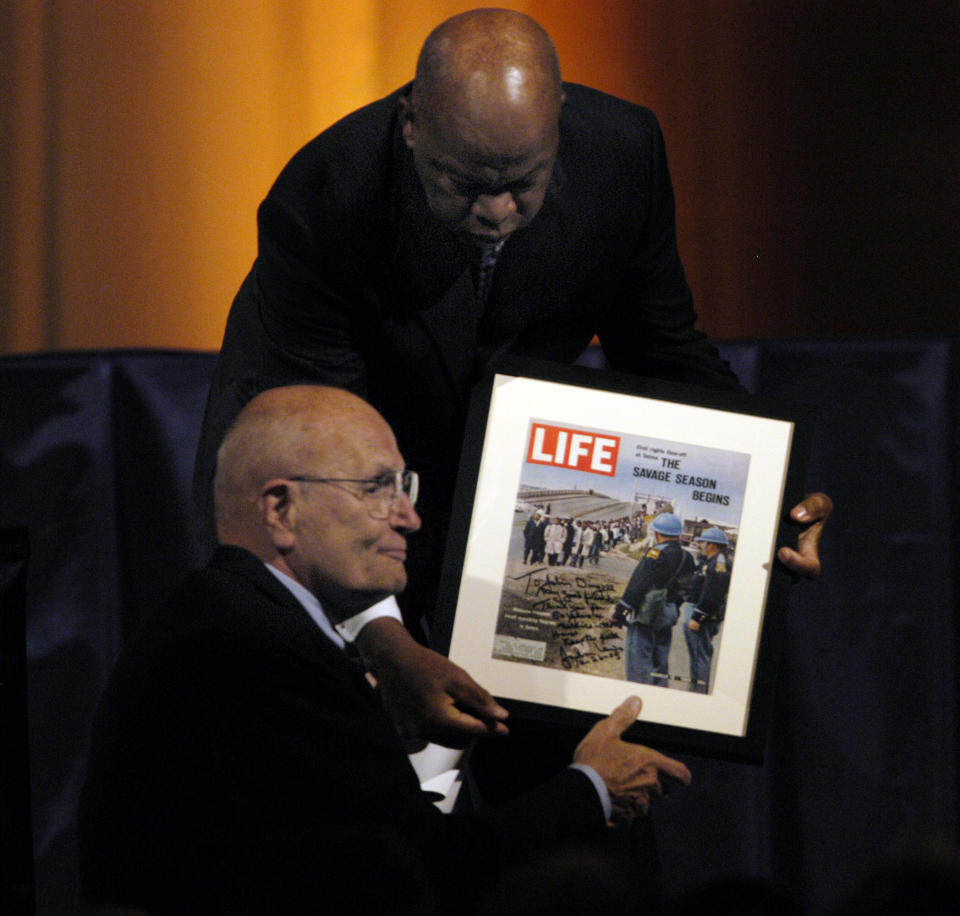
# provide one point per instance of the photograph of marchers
(615, 536)
(620, 556)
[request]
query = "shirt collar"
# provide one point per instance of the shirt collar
(310, 604)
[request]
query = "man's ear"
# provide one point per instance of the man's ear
(407, 117)
(278, 512)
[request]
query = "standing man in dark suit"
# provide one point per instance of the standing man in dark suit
(241, 763)
(533, 539)
(486, 209)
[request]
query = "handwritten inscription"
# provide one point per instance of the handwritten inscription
(568, 614)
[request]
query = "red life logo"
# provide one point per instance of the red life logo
(574, 449)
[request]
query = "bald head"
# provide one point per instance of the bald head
(303, 478)
(489, 59)
(483, 121)
(300, 429)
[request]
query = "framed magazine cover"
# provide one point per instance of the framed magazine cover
(600, 461)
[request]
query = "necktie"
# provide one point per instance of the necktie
(488, 261)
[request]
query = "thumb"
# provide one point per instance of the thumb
(626, 714)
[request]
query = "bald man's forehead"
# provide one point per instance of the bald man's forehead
(479, 173)
(493, 149)
(301, 425)
(510, 85)
(506, 108)
(360, 446)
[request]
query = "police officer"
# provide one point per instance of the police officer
(647, 645)
(706, 591)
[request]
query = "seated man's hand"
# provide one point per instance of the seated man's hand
(813, 512)
(426, 695)
(633, 774)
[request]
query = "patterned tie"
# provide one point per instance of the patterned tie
(488, 261)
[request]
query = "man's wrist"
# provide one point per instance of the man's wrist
(602, 792)
(350, 628)
(385, 641)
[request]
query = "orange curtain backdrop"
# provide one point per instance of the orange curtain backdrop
(139, 138)
(144, 136)
(814, 150)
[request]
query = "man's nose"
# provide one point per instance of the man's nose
(403, 515)
(492, 210)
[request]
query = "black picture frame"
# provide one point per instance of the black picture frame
(739, 458)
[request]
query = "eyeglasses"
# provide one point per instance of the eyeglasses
(380, 494)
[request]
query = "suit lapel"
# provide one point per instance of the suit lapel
(304, 628)
(432, 271)
(451, 322)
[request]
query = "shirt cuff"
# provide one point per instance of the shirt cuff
(350, 628)
(599, 785)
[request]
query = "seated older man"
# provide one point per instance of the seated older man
(242, 763)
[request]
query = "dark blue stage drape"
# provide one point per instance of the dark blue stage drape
(96, 452)
(16, 852)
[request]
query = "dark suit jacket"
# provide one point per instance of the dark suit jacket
(241, 764)
(356, 285)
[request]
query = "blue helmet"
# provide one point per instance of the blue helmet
(714, 536)
(668, 524)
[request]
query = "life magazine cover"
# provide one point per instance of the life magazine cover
(603, 519)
